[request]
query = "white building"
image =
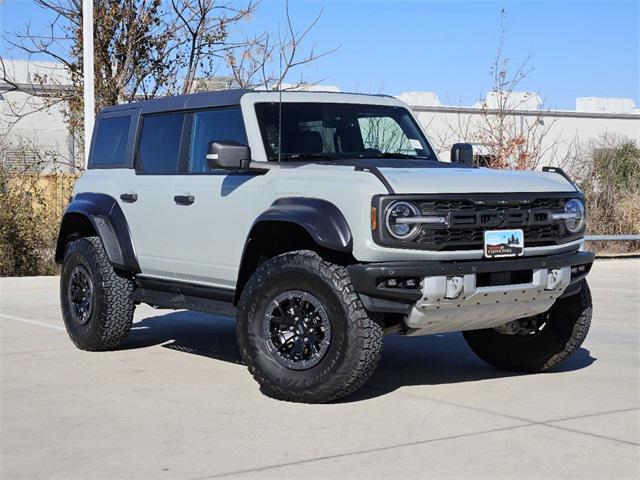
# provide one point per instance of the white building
(29, 123)
(606, 105)
(561, 132)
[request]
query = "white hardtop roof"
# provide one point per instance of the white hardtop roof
(321, 97)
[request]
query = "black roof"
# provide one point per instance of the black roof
(222, 98)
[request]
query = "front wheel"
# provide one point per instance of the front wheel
(303, 331)
(539, 343)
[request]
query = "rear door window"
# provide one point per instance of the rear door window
(222, 124)
(159, 146)
(110, 145)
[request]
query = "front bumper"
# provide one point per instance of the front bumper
(486, 293)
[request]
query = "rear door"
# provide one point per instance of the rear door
(211, 219)
(146, 192)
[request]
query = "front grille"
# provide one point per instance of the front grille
(444, 205)
(473, 238)
(470, 216)
(468, 220)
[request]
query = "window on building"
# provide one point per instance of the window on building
(160, 143)
(110, 145)
(213, 126)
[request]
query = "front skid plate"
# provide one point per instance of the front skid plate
(482, 307)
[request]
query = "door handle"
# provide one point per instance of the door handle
(129, 197)
(184, 199)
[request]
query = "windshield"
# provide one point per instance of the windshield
(335, 131)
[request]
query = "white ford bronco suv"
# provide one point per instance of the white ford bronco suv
(322, 221)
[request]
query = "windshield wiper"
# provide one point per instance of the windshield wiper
(306, 156)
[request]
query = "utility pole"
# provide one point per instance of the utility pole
(87, 74)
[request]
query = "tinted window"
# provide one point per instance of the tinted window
(110, 146)
(212, 126)
(160, 143)
(340, 131)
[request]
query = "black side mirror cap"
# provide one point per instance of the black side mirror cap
(228, 154)
(462, 153)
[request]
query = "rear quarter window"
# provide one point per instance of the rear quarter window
(110, 145)
(159, 146)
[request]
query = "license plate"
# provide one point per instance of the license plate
(503, 243)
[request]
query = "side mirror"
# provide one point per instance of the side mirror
(462, 153)
(228, 154)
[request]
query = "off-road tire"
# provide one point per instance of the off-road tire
(113, 306)
(356, 343)
(567, 326)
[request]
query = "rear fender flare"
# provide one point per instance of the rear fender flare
(109, 223)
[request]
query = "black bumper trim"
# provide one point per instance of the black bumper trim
(365, 277)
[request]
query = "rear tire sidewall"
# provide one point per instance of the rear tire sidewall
(80, 252)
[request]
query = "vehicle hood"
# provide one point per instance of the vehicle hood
(473, 180)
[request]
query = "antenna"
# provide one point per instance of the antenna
(280, 112)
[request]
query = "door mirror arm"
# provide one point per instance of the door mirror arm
(231, 155)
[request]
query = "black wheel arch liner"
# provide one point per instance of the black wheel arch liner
(321, 219)
(110, 224)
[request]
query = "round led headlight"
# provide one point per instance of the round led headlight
(396, 214)
(575, 207)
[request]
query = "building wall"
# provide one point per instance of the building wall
(26, 122)
(565, 133)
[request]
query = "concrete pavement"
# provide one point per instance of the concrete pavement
(175, 402)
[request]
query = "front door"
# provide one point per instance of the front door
(211, 214)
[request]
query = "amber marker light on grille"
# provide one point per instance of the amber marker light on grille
(374, 219)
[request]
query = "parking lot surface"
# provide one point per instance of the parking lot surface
(176, 402)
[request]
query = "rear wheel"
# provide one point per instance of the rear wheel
(539, 343)
(303, 331)
(97, 305)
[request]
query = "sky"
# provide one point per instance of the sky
(577, 48)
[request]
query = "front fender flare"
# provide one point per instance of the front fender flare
(322, 220)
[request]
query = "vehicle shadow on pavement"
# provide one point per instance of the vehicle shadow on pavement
(423, 360)
(197, 333)
(437, 360)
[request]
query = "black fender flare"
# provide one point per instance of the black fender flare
(321, 219)
(108, 221)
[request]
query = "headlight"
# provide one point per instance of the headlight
(575, 215)
(393, 220)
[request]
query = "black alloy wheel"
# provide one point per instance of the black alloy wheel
(297, 329)
(80, 295)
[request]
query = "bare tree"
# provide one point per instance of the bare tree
(511, 138)
(129, 42)
(266, 60)
(150, 48)
(202, 26)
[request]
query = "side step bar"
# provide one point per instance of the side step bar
(180, 295)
